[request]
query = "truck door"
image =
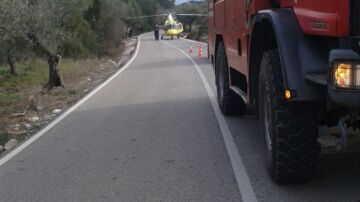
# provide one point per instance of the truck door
(229, 35)
(235, 36)
(240, 34)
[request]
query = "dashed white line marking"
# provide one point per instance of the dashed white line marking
(242, 178)
(25, 144)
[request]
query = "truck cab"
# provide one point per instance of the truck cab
(297, 63)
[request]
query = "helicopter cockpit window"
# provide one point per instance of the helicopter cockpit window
(167, 27)
(172, 26)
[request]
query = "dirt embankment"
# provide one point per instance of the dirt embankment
(196, 36)
(25, 107)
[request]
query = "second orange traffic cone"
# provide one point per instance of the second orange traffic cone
(200, 53)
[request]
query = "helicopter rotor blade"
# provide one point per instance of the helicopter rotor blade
(190, 14)
(146, 16)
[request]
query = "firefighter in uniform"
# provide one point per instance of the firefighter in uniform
(156, 31)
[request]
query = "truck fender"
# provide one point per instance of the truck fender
(300, 54)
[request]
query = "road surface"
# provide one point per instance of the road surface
(152, 134)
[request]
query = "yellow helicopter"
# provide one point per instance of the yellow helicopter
(172, 28)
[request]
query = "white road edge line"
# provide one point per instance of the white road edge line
(32, 139)
(242, 178)
(192, 41)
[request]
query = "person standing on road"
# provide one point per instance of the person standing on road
(156, 31)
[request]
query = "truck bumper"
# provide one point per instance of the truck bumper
(345, 98)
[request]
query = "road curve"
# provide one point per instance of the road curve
(151, 134)
(148, 135)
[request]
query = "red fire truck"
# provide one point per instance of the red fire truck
(297, 63)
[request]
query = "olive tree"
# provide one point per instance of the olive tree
(45, 26)
(43, 22)
(12, 31)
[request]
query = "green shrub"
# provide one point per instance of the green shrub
(80, 40)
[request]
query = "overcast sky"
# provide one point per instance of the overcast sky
(181, 1)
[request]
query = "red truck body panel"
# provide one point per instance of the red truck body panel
(325, 18)
(231, 20)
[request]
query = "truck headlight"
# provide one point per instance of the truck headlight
(343, 75)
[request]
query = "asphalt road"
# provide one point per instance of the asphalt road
(152, 134)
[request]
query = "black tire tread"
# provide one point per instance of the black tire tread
(296, 149)
(231, 103)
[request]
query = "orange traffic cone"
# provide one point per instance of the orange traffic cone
(191, 49)
(200, 53)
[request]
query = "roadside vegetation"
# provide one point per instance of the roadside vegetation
(52, 52)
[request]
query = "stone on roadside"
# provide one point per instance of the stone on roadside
(11, 144)
(17, 132)
(39, 108)
(27, 126)
(34, 119)
(32, 98)
(1, 148)
(33, 102)
(15, 126)
(112, 62)
(56, 111)
(48, 117)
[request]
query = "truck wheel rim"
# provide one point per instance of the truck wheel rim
(267, 118)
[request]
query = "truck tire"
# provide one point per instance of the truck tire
(289, 128)
(229, 102)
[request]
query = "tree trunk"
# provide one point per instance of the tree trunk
(55, 77)
(13, 65)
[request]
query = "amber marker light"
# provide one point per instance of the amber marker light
(288, 94)
(342, 75)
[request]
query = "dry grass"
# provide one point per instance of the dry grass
(80, 76)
